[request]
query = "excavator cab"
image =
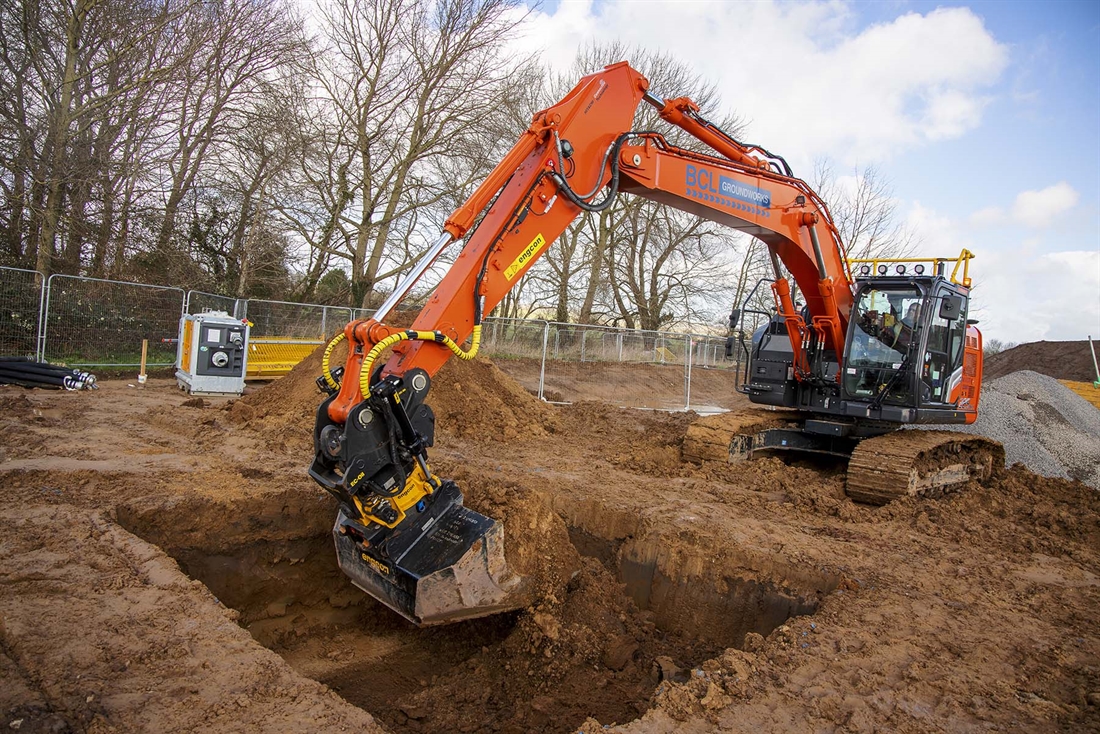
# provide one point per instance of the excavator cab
(905, 344)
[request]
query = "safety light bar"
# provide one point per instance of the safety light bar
(959, 274)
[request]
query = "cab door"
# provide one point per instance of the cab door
(946, 333)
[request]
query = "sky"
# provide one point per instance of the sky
(983, 116)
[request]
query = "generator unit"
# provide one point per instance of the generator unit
(213, 354)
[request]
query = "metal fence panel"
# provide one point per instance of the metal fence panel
(98, 323)
(91, 322)
(20, 311)
(512, 338)
(200, 302)
(277, 318)
(335, 318)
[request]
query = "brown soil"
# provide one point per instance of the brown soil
(169, 567)
(623, 383)
(1061, 360)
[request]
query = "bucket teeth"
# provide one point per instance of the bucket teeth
(444, 565)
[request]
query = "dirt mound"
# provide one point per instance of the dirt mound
(293, 398)
(1061, 360)
(476, 399)
(469, 399)
(640, 440)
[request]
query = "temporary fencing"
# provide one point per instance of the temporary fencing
(283, 333)
(91, 322)
(576, 361)
(21, 295)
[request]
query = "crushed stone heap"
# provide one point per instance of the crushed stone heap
(1043, 425)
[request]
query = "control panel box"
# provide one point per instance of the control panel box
(213, 354)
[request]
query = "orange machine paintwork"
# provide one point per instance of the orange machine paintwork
(599, 109)
(733, 188)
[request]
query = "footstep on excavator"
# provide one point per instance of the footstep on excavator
(868, 354)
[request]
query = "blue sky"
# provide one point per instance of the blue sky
(1044, 119)
(984, 116)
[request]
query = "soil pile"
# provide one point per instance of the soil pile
(1043, 425)
(477, 400)
(469, 399)
(1061, 360)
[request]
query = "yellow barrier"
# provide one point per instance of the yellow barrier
(276, 357)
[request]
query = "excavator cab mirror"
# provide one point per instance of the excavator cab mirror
(731, 345)
(735, 318)
(951, 307)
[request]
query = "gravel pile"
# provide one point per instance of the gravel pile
(1043, 425)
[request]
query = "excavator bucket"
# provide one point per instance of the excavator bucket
(444, 565)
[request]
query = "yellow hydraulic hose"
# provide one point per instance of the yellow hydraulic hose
(424, 336)
(325, 372)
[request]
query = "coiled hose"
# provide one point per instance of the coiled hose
(410, 335)
(325, 371)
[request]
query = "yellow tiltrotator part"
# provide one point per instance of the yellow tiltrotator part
(417, 487)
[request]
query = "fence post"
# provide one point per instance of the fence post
(687, 374)
(542, 367)
(584, 338)
(39, 334)
(46, 317)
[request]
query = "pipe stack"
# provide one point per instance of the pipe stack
(25, 372)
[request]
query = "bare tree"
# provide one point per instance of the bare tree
(111, 115)
(242, 48)
(411, 90)
(865, 211)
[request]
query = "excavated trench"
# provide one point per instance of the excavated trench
(639, 610)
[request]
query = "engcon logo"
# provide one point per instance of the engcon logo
(707, 185)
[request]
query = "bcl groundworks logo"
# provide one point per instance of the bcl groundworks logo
(704, 184)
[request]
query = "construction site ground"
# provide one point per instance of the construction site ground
(167, 566)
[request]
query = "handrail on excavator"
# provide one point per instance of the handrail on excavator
(880, 265)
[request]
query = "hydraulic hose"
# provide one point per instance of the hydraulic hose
(410, 335)
(325, 371)
(612, 186)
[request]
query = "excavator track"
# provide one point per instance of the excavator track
(919, 463)
(709, 438)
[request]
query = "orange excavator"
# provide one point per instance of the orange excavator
(865, 357)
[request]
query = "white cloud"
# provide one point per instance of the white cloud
(1035, 209)
(1021, 293)
(808, 83)
(1039, 208)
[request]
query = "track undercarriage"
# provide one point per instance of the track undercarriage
(884, 463)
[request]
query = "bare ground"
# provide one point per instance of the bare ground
(169, 568)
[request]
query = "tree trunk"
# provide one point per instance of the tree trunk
(602, 233)
(56, 183)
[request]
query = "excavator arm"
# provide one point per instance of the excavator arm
(402, 534)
